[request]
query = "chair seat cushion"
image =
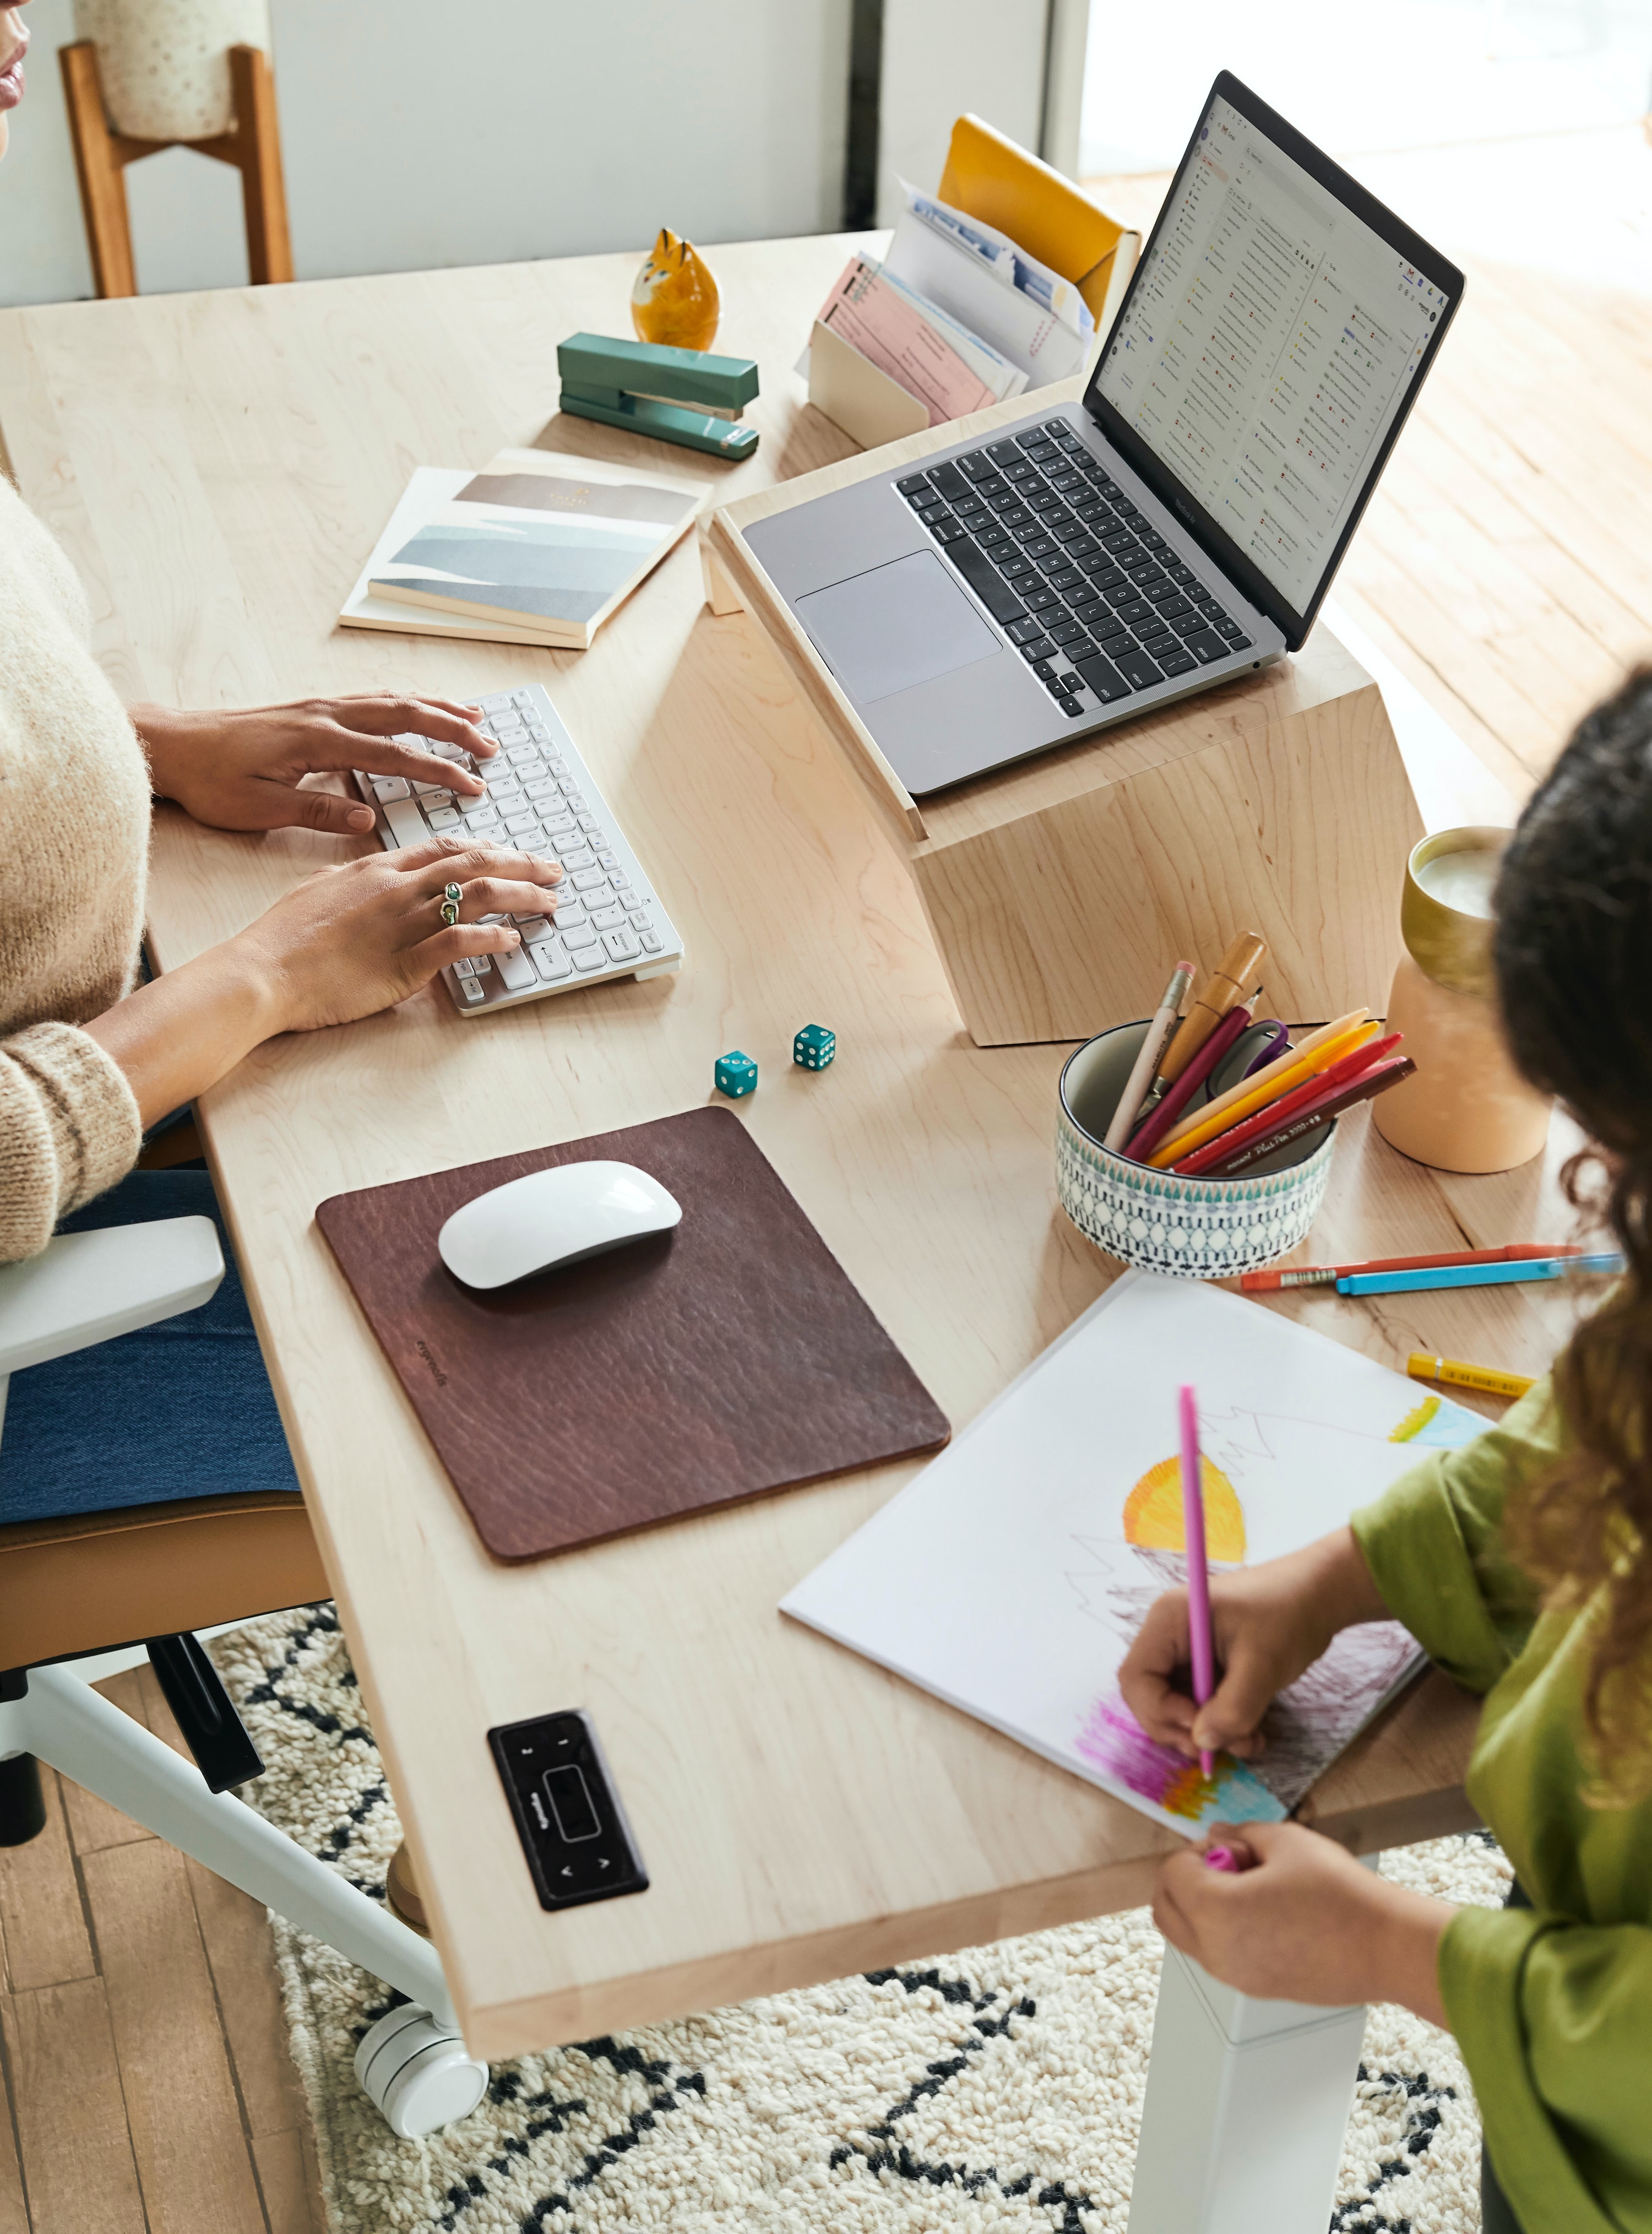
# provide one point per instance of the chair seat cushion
(182, 1409)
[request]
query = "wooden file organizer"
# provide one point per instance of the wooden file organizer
(1060, 891)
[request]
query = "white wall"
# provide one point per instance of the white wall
(942, 57)
(417, 134)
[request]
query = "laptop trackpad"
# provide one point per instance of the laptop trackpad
(894, 626)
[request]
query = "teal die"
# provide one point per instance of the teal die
(813, 1047)
(736, 1074)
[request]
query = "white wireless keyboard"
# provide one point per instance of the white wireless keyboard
(541, 797)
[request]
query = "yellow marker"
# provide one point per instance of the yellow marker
(1455, 1374)
(1277, 1079)
(1266, 1077)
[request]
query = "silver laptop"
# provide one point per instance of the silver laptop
(1176, 527)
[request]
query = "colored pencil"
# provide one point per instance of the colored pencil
(1310, 1045)
(1455, 1374)
(1314, 1117)
(1478, 1275)
(1177, 1097)
(1270, 1085)
(1199, 1577)
(1145, 1068)
(1222, 991)
(1252, 1128)
(1326, 1275)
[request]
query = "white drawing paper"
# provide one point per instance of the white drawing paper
(1009, 1577)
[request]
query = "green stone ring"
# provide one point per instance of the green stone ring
(450, 899)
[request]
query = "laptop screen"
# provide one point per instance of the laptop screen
(1271, 343)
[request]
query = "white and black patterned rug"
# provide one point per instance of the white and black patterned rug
(992, 2092)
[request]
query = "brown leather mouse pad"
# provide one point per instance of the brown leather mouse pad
(731, 1356)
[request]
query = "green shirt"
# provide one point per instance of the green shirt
(1551, 2007)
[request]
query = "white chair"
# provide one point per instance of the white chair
(156, 1573)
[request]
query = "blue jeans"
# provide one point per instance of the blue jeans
(180, 1409)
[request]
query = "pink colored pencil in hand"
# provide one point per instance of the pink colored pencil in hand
(1198, 1581)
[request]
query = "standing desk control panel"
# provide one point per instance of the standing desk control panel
(573, 1830)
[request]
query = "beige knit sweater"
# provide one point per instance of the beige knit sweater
(73, 846)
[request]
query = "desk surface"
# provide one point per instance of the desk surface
(216, 465)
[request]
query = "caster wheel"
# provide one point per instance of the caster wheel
(418, 2072)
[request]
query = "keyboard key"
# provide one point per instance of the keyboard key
(1174, 608)
(1240, 644)
(1044, 669)
(1137, 609)
(946, 531)
(1057, 685)
(1206, 647)
(1017, 569)
(1178, 662)
(552, 964)
(1190, 624)
(933, 513)
(992, 534)
(516, 969)
(1151, 630)
(612, 917)
(1228, 629)
(1117, 539)
(1040, 648)
(445, 819)
(579, 935)
(652, 941)
(1065, 631)
(585, 880)
(912, 483)
(622, 945)
(1024, 629)
(1104, 678)
(1071, 531)
(1139, 671)
(1069, 707)
(1003, 453)
(951, 482)
(1039, 547)
(471, 992)
(1041, 451)
(1185, 575)
(1069, 682)
(1038, 601)
(388, 788)
(590, 958)
(989, 585)
(1116, 646)
(977, 466)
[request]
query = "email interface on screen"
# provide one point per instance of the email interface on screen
(1271, 339)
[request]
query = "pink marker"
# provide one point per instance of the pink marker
(1198, 1581)
(1223, 1857)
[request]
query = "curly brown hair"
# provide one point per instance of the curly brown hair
(1573, 948)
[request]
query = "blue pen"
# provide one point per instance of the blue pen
(1476, 1276)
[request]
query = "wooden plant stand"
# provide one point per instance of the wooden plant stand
(1060, 891)
(100, 157)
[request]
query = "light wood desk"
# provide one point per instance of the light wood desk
(217, 466)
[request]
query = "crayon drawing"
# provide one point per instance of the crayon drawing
(1009, 1577)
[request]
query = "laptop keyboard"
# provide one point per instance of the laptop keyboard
(1076, 576)
(540, 798)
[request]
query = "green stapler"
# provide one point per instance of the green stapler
(678, 395)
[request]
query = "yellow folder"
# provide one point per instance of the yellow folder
(988, 176)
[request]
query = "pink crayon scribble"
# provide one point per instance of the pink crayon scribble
(1113, 1739)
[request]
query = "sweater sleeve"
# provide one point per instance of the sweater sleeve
(69, 1128)
(1434, 1544)
(1554, 2017)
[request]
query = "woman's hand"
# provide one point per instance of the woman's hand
(1302, 1921)
(1268, 1624)
(241, 769)
(344, 944)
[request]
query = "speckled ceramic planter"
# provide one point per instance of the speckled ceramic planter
(1192, 1229)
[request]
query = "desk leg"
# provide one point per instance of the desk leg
(1246, 2108)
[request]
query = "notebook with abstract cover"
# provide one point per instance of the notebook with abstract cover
(539, 542)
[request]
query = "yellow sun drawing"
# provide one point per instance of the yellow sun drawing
(1152, 1512)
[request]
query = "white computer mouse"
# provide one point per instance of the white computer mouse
(553, 1218)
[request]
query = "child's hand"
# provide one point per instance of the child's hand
(1268, 1624)
(1303, 1922)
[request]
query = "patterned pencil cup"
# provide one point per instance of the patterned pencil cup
(1192, 1229)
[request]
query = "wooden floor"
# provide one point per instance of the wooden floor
(149, 2082)
(1506, 567)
